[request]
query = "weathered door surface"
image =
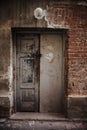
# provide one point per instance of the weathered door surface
(27, 73)
(39, 77)
(51, 73)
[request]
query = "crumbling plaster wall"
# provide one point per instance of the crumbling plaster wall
(61, 14)
(6, 96)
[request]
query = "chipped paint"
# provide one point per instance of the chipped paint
(83, 3)
(82, 96)
(6, 25)
(7, 75)
(49, 56)
(50, 24)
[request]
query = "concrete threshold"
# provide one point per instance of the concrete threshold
(38, 116)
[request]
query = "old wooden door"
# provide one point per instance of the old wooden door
(51, 76)
(27, 63)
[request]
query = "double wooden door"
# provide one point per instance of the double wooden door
(39, 80)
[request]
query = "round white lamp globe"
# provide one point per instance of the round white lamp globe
(38, 13)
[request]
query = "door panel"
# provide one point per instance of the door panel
(51, 76)
(27, 71)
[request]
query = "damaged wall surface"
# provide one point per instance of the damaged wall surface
(60, 14)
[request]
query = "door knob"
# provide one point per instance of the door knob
(37, 55)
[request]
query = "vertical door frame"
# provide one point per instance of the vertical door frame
(63, 32)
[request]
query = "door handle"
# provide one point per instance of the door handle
(38, 55)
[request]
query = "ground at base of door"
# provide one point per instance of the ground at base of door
(68, 124)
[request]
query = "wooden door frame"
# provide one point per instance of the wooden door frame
(16, 31)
